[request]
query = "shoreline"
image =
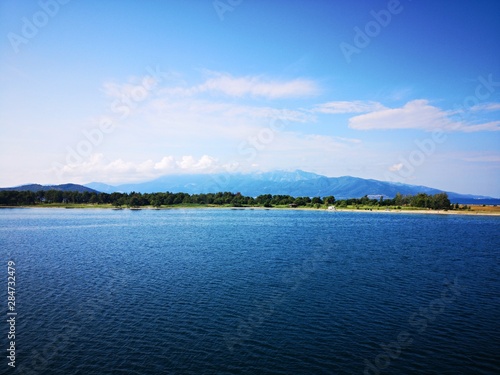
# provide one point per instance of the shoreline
(426, 212)
(338, 210)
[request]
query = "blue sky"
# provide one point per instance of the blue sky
(128, 91)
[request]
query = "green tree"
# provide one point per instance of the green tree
(264, 198)
(93, 198)
(134, 201)
(155, 201)
(364, 200)
(54, 196)
(398, 199)
(440, 201)
(300, 201)
(316, 200)
(329, 200)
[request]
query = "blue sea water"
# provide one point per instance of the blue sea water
(219, 291)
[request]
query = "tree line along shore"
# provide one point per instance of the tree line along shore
(59, 198)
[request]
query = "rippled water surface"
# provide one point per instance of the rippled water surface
(216, 291)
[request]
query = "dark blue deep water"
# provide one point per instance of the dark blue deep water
(219, 291)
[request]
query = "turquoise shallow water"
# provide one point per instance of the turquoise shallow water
(215, 291)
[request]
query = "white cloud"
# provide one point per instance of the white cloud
(347, 140)
(135, 89)
(224, 111)
(296, 150)
(188, 119)
(168, 162)
(174, 109)
(356, 106)
(487, 107)
(488, 126)
(239, 87)
(492, 158)
(98, 168)
(274, 153)
(189, 163)
(396, 167)
(416, 114)
(258, 87)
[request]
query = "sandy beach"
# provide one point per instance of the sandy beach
(425, 212)
(475, 210)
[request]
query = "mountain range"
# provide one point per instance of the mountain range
(62, 187)
(296, 183)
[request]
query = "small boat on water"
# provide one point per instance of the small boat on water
(135, 209)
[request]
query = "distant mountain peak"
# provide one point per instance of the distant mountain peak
(285, 182)
(61, 187)
(284, 175)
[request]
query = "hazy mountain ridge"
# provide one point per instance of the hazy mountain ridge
(62, 187)
(296, 183)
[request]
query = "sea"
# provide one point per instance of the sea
(253, 291)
